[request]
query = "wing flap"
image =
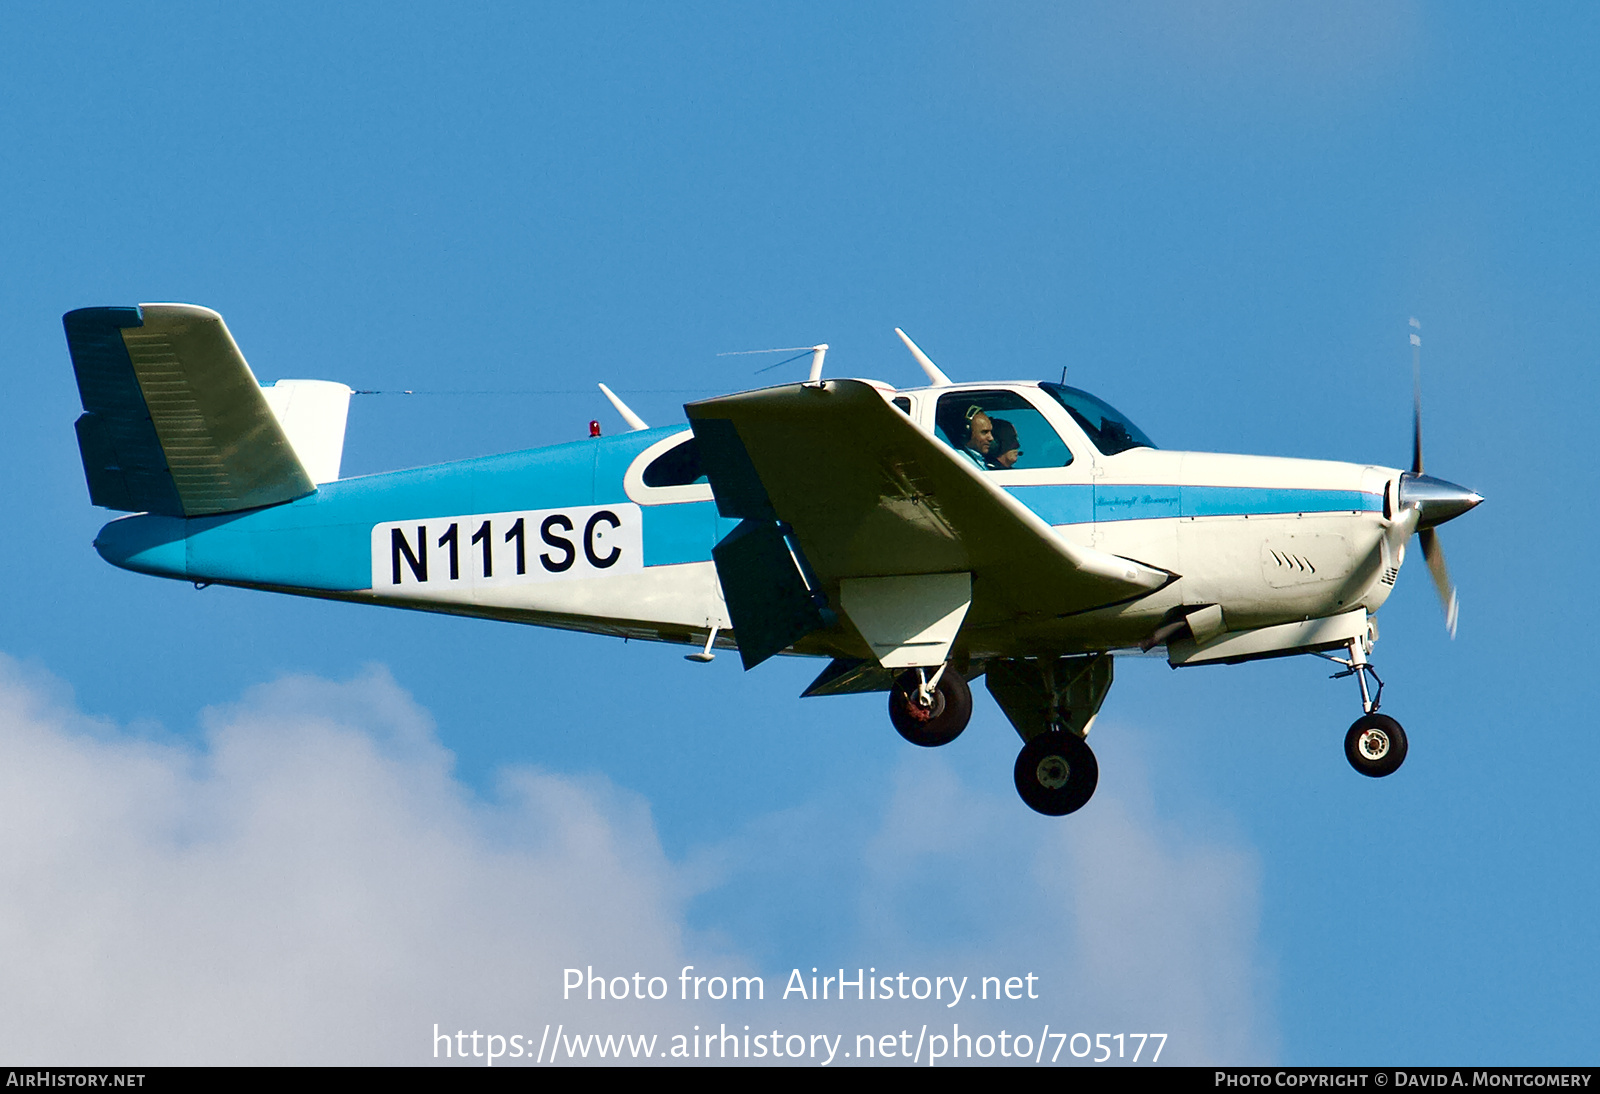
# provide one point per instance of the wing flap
(868, 493)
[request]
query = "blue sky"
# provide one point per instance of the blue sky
(1218, 216)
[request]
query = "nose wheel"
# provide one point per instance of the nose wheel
(1375, 745)
(930, 710)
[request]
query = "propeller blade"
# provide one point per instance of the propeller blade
(1416, 435)
(1416, 400)
(1433, 551)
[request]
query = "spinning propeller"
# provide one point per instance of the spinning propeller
(1435, 500)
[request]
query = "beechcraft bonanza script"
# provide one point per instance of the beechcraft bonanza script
(915, 539)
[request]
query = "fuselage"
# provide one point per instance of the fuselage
(614, 534)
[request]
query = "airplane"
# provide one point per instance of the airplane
(917, 538)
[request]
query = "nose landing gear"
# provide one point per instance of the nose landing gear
(1375, 744)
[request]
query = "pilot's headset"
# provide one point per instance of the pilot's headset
(966, 434)
(957, 423)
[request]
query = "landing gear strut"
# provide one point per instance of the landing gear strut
(1052, 702)
(1375, 745)
(930, 709)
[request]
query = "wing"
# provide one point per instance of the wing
(174, 421)
(869, 494)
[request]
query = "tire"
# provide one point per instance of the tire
(1375, 745)
(937, 724)
(1056, 773)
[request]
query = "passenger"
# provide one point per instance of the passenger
(1007, 447)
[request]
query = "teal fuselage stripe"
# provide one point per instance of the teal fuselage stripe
(323, 541)
(1232, 501)
(1081, 504)
(684, 532)
(1058, 504)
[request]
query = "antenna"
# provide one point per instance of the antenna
(937, 377)
(635, 422)
(818, 352)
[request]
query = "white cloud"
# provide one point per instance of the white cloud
(313, 885)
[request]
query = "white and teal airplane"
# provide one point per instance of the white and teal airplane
(917, 538)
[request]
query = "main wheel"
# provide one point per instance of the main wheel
(938, 722)
(1056, 773)
(1375, 745)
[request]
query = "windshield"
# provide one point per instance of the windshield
(1107, 427)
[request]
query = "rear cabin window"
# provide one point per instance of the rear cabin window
(999, 431)
(677, 466)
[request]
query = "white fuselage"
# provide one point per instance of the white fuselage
(1267, 540)
(1270, 540)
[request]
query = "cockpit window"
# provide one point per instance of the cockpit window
(1107, 427)
(999, 431)
(677, 466)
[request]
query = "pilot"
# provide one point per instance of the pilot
(1007, 447)
(969, 430)
(979, 436)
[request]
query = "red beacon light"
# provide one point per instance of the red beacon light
(594, 428)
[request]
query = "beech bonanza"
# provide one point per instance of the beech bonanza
(917, 539)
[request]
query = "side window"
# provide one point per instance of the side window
(677, 466)
(999, 431)
(904, 404)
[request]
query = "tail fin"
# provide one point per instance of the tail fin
(174, 422)
(312, 414)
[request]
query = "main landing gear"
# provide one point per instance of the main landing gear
(1056, 773)
(1375, 745)
(930, 710)
(1051, 702)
